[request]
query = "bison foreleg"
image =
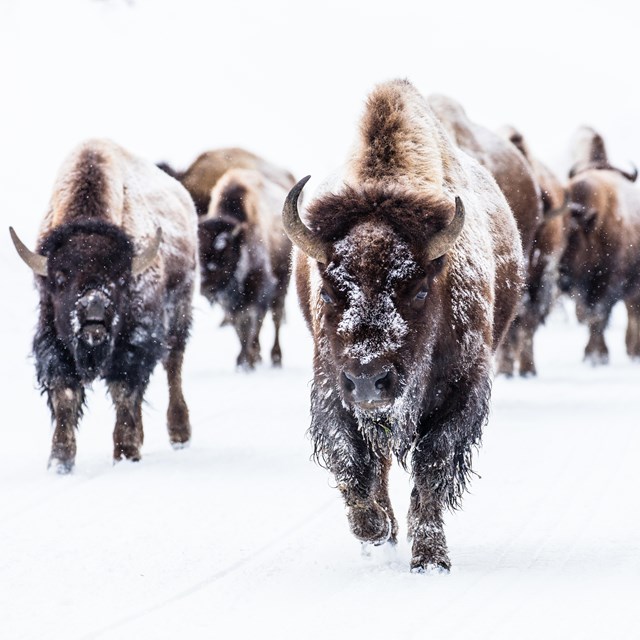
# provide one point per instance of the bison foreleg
(58, 378)
(426, 531)
(361, 476)
(442, 465)
(128, 435)
(66, 405)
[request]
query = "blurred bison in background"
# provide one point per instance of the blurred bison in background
(408, 274)
(515, 178)
(549, 242)
(115, 292)
(245, 256)
(601, 264)
(210, 166)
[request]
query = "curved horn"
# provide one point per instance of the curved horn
(145, 258)
(36, 262)
(553, 213)
(573, 170)
(297, 231)
(632, 177)
(442, 241)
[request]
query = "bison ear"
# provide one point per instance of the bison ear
(146, 257)
(550, 213)
(36, 262)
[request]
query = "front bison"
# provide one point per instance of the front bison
(408, 273)
(114, 266)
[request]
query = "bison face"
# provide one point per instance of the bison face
(88, 280)
(220, 252)
(376, 304)
(581, 253)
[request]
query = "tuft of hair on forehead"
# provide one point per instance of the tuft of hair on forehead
(61, 235)
(413, 216)
(589, 147)
(399, 136)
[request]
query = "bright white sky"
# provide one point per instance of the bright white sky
(170, 78)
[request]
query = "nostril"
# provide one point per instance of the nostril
(383, 382)
(349, 382)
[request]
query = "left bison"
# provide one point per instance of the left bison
(115, 266)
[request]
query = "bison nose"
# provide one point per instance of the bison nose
(369, 391)
(94, 305)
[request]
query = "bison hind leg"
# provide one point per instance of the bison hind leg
(277, 315)
(178, 423)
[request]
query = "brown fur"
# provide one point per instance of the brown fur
(205, 171)
(509, 168)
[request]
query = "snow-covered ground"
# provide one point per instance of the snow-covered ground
(241, 535)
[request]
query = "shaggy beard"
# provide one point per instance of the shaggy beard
(91, 359)
(391, 429)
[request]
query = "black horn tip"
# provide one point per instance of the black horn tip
(294, 193)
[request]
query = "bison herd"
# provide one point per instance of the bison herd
(427, 263)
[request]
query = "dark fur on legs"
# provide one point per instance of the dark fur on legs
(128, 434)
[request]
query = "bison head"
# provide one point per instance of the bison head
(220, 243)
(378, 300)
(86, 269)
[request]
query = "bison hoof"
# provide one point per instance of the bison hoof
(126, 452)
(528, 373)
(370, 524)
(61, 467)
(180, 444)
(430, 568)
(596, 359)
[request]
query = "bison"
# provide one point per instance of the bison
(601, 264)
(115, 267)
(245, 257)
(549, 243)
(408, 271)
(205, 171)
(516, 180)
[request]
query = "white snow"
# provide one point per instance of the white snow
(241, 535)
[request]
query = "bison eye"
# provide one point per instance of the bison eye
(422, 294)
(326, 297)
